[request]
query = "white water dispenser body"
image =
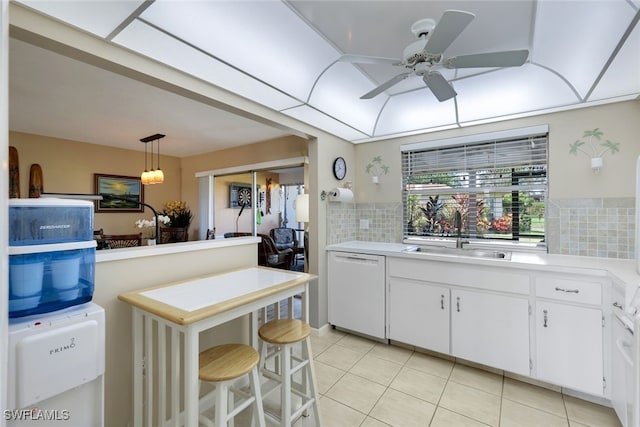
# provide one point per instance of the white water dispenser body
(56, 368)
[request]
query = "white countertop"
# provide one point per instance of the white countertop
(191, 300)
(194, 294)
(622, 271)
(171, 248)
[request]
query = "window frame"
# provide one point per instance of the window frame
(416, 158)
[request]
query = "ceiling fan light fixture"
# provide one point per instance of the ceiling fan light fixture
(425, 56)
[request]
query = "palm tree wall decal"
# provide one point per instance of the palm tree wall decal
(592, 148)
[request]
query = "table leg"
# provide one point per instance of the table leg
(137, 368)
(191, 377)
(305, 303)
(254, 326)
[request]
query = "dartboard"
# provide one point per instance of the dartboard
(244, 197)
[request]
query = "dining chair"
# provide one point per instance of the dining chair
(116, 241)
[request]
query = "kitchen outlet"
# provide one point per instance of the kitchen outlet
(364, 224)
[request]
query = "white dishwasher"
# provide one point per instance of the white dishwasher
(357, 292)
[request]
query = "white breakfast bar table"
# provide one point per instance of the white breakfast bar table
(167, 321)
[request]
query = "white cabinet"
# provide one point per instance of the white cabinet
(491, 329)
(419, 314)
(476, 313)
(569, 346)
(356, 292)
(570, 333)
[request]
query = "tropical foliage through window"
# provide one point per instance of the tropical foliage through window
(497, 199)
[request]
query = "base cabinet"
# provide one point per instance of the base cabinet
(491, 329)
(419, 314)
(569, 346)
(483, 314)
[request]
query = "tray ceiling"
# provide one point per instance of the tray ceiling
(284, 55)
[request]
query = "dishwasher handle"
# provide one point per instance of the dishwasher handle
(357, 258)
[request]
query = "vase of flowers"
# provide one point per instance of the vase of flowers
(177, 229)
(148, 227)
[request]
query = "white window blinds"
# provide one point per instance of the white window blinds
(499, 187)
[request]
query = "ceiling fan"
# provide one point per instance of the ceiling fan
(424, 56)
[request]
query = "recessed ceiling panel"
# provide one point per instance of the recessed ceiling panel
(322, 121)
(576, 38)
(623, 76)
(511, 91)
(383, 28)
(413, 111)
(95, 16)
(338, 91)
(263, 38)
(148, 41)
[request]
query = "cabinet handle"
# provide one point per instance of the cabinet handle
(442, 302)
(574, 291)
(616, 305)
(545, 318)
(458, 304)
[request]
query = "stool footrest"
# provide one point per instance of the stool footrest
(302, 409)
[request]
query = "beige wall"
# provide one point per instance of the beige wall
(69, 167)
(570, 176)
(226, 217)
(322, 153)
(277, 149)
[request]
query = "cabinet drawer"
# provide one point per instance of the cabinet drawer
(564, 289)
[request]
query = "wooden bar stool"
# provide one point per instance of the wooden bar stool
(222, 365)
(284, 334)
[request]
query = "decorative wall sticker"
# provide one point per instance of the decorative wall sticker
(375, 168)
(593, 149)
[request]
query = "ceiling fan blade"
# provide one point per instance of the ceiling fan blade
(360, 59)
(439, 86)
(384, 86)
(451, 24)
(508, 58)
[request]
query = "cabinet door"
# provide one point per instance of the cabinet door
(491, 329)
(356, 292)
(419, 314)
(569, 346)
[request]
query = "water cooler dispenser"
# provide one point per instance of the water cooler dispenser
(56, 334)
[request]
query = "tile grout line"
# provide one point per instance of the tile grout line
(392, 358)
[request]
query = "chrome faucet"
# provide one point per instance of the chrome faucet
(457, 224)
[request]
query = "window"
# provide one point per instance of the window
(498, 186)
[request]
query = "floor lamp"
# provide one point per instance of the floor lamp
(302, 215)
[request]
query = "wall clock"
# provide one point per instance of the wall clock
(339, 168)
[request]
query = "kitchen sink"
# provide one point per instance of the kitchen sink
(469, 252)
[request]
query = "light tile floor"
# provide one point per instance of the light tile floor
(367, 383)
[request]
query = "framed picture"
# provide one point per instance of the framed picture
(129, 187)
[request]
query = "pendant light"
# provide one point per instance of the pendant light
(153, 176)
(158, 175)
(145, 177)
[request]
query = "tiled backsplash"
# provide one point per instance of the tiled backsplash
(601, 227)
